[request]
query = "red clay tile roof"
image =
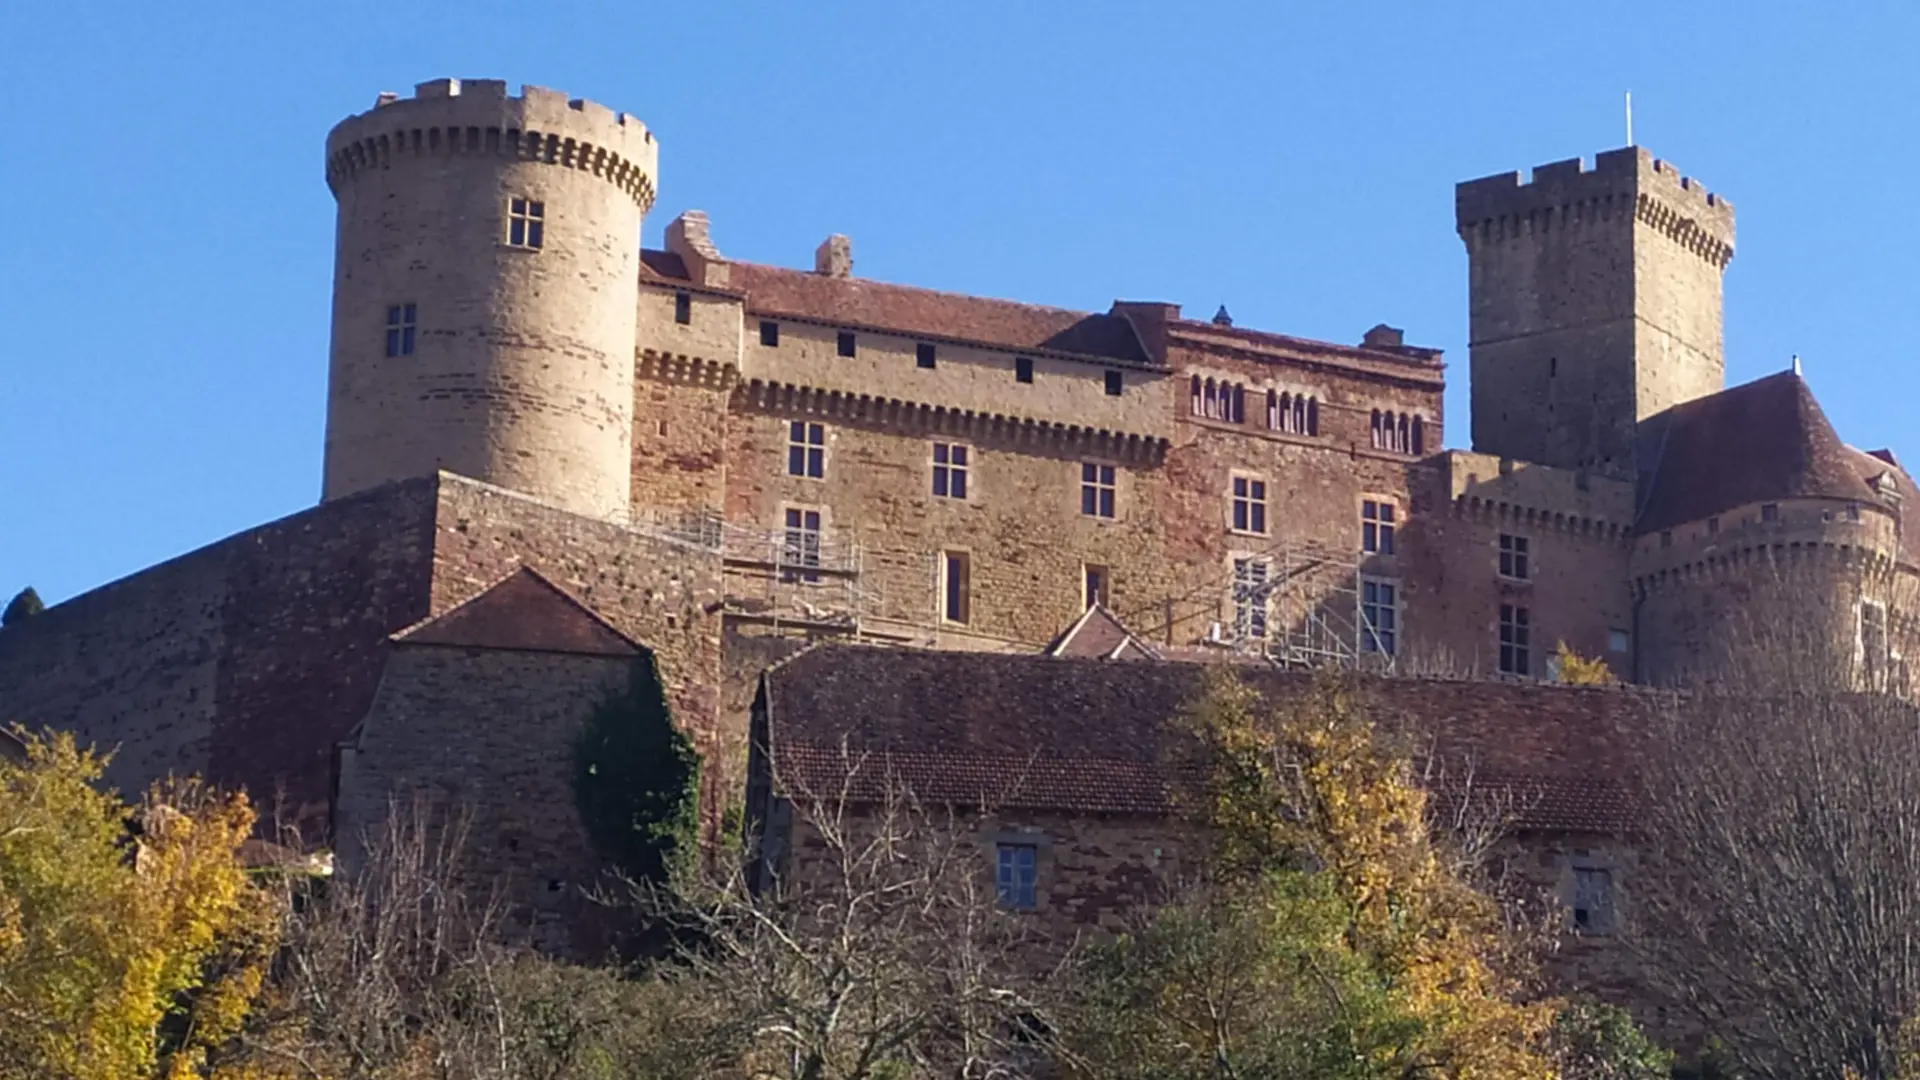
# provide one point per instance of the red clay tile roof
(523, 611)
(1763, 441)
(915, 312)
(1086, 735)
(1098, 634)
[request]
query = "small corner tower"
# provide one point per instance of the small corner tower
(1594, 303)
(486, 267)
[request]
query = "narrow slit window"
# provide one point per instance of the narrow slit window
(682, 308)
(1094, 585)
(956, 574)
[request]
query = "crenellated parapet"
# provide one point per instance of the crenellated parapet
(475, 117)
(1624, 184)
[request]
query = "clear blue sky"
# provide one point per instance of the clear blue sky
(166, 242)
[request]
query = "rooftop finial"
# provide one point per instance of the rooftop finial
(1221, 318)
(1796, 363)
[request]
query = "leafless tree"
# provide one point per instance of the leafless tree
(878, 950)
(1778, 897)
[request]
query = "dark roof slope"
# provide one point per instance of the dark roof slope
(1098, 633)
(1090, 735)
(522, 611)
(1763, 441)
(915, 312)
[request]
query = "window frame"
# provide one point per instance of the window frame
(956, 587)
(807, 449)
(526, 223)
(1380, 636)
(1247, 504)
(1252, 597)
(1515, 640)
(801, 543)
(925, 356)
(403, 324)
(1023, 369)
(1379, 520)
(1590, 909)
(770, 333)
(1116, 382)
(1516, 557)
(683, 308)
(846, 344)
(952, 462)
(1099, 490)
(1016, 875)
(1096, 585)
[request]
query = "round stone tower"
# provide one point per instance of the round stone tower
(486, 267)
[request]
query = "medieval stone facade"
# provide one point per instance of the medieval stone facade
(724, 462)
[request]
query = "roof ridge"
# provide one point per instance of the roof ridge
(954, 293)
(529, 571)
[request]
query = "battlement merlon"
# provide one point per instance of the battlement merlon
(1630, 173)
(468, 115)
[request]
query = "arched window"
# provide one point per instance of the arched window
(1239, 403)
(1374, 432)
(1212, 407)
(1273, 410)
(1419, 436)
(1405, 441)
(1196, 396)
(1300, 414)
(1313, 416)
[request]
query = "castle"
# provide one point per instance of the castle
(549, 451)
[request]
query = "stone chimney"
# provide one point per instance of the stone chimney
(687, 237)
(1383, 336)
(834, 257)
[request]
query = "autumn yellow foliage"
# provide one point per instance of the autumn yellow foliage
(1311, 787)
(131, 941)
(1576, 670)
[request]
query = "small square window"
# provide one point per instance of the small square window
(1249, 505)
(955, 586)
(846, 343)
(1770, 512)
(1094, 585)
(1376, 527)
(1617, 641)
(1023, 369)
(402, 319)
(526, 222)
(1514, 557)
(951, 462)
(1115, 384)
(923, 355)
(806, 449)
(682, 308)
(1016, 874)
(1097, 483)
(769, 333)
(1516, 640)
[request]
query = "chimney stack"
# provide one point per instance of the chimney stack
(1383, 336)
(834, 257)
(687, 237)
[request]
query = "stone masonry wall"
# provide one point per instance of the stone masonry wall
(244, 661)
(486, 736)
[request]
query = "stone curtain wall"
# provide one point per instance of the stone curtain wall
(244, 661)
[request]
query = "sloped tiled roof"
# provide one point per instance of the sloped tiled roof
(915, 312)
(1763, 441)
(1097, 633)
(522, 611)
(1086, 735)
